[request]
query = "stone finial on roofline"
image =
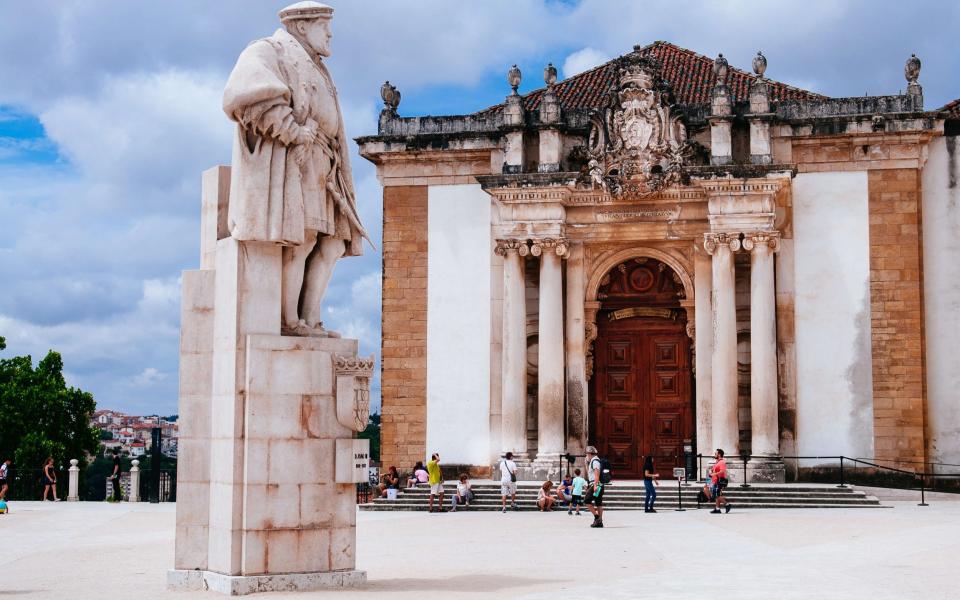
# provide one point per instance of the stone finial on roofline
(513, 78)
(911, 70)
(391, 97)
(759, 64)
(550, 75)
(720, 67)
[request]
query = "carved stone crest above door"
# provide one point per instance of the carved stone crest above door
(637, 146)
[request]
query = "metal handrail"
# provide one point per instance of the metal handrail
(920, 476)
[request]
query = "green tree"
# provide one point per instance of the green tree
(372, 433)
(41, 416)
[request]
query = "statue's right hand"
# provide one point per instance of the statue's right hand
(307, 133)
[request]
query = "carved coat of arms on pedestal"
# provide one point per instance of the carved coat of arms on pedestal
(637, 145)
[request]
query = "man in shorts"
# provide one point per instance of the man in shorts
(508, 482)
(594, 487)
(436, 482)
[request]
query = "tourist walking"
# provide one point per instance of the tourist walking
(718, 481)
(579, 484)
(463, 495)
(115, 476)
(545, 497)
(436, 482)
(50, 479)
(4, 476)
(650, 483)
(595, 486)
(508, 482)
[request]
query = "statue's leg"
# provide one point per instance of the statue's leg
(319, 270)
(294, 261)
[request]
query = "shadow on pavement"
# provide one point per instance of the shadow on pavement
(479, 582)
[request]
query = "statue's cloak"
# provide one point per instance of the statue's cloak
(279, 189)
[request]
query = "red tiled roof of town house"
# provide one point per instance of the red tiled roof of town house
(688, 73)
(953, 108)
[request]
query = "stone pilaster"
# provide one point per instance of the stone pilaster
(576, 352)
(721, 247)
(550, 393)
(703, 342)
(765, 431)
(514, 355)
(763, 343)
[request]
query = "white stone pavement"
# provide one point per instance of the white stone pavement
(97, 550)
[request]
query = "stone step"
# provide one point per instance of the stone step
(630, 496)
(639, 501)
(661, 489)
(660, 507)
(663, 494)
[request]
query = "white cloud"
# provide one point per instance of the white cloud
(148, 377)
(583, 60)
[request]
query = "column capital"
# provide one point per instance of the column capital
(756, 239)
(560, 246)
(713, 241)
(507, 246)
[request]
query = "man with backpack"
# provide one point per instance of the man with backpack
(598, 475)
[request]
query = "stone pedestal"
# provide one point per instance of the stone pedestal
(279, 519)
(73, 483)
(134, 495)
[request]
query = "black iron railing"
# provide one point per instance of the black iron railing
(28, 484)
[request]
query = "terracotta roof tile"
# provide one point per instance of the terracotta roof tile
(688, 73)
(952, 107)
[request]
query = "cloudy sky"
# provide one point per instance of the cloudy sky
(110, 110)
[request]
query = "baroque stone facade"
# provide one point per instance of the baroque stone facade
(682, 255)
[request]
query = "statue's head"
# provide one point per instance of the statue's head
(309, 22)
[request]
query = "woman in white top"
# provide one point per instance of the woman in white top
(464, 494)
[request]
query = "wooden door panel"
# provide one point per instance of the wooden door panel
(642, 399)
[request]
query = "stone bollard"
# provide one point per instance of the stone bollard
(134, 495)
(74, 485)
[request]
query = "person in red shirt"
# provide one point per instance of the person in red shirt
(718, 481)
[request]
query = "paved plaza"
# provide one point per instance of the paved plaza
(98, 550)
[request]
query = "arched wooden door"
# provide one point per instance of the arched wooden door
(642, 392)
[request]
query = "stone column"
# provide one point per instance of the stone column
(576, 353)
(134, 481)
(763, 344)
(725, 429)
(73, 489)
(703, 313)
(514, 355)
(550, 413)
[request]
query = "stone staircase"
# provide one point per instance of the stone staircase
(629, 495)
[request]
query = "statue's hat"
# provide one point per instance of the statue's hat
(306, 10)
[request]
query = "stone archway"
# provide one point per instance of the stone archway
(641, 398)
(610, 261)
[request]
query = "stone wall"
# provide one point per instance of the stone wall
(404, 361)
(896, 305)
(941, 281)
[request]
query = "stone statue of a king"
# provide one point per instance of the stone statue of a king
(291, 182)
